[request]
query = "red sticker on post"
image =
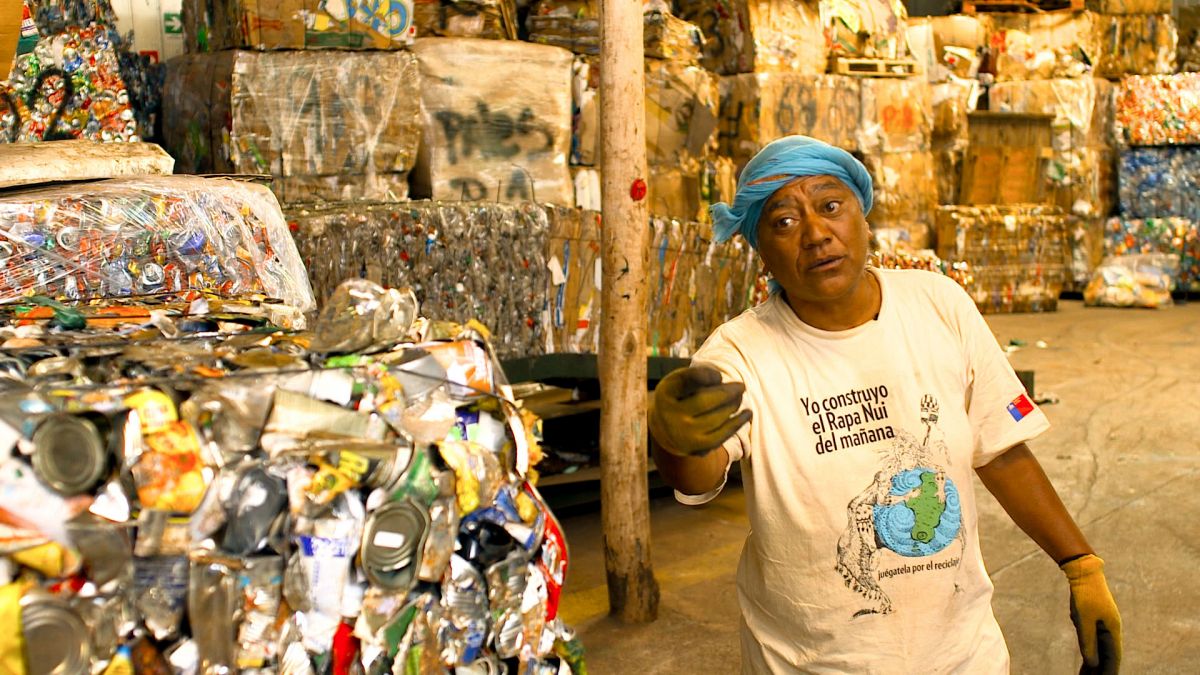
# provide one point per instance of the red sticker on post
(638, 190)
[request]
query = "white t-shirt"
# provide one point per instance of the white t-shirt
(863, 554)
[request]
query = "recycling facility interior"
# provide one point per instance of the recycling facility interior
(1045, 156)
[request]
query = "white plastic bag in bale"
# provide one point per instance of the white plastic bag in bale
(497, 121)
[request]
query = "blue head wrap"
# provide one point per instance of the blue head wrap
(789, 158)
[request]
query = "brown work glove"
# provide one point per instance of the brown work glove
(694, 413)
(1095, 615)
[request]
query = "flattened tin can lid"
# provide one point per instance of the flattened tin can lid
(71, 455)
(393, 543)
(56, 639)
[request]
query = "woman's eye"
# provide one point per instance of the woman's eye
(785, 223)
(832, 207)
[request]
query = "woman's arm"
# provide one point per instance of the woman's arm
(1017, 481)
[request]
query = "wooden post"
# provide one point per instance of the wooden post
(624, 493)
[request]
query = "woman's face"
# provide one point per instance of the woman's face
(813, 238)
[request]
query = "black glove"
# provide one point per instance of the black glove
(694, 413)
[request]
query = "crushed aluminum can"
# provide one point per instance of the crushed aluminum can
(393, 544)
(56, 639)
(71, 453)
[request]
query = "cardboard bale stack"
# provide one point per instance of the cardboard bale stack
(497, 121)
(1080, 176)
(1158, 123)
(894, 137)
(949, 49)
(486, 19)
(759, 36)
(685, 172)
(575, 25)
(1017, 254)
(757, 108)
(319, 96)
(1079, 44)
(326, 125)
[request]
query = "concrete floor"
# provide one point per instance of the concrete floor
(1124, 454)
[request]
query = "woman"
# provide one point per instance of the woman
(859, 401)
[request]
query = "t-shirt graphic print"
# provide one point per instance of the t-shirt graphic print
(911, 509)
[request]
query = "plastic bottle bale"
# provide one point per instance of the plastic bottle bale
(757, 108)
(759, 36)
(497, 121)
(1159, 182)
(1159, 110)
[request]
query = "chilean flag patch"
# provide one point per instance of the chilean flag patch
(1020, 407)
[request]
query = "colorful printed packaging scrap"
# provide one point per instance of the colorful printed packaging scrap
(865, 28)
(359, 498)
(164, 234)
(326, 125)
(297, 24)
(531, 272)
(576, 26)
(1018, 254)
(757, 108)
(1159, 110)
(1177, 236)
(759, 36)
(471, 88)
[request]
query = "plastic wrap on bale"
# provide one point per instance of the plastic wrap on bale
(326, 125)
(164, 234)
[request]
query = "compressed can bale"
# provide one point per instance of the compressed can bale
(759, 36)
(497, 121)
(325, 125)
(1018, 253)
(757, 108)
(530, 272)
